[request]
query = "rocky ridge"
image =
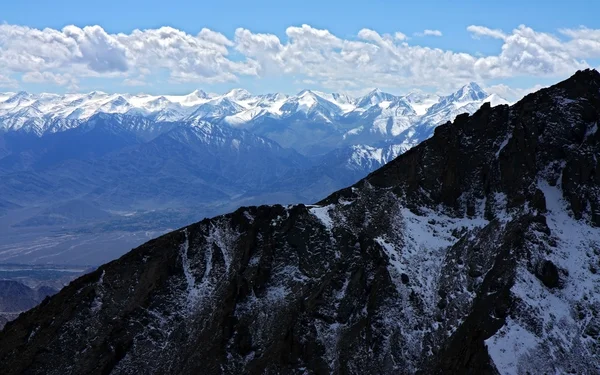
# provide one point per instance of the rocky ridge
(474, 252)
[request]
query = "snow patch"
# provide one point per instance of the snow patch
(509, 345)
(426, 239)
(218, 239)
(547, 331)
(322, 213)
(503, 144)
(97, 303)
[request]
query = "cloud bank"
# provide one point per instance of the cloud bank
(64, 57)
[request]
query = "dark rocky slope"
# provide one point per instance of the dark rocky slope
(475, 252)
(16, 297)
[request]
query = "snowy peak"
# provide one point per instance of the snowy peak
(375, 97)
(240, 108)
(420, 97)
(343, 102)
(21, 95)
(195, 98)
(117, 104)
(217, 108)
(5, 96)
(96, 94)
(467, 99)
(19, 99)
(478, 252)
(238, 94)
(495, 99)
(420, 101)
(159, 103)
(309, 104)
(269, 98)
(343, 98)
(198, 94)
(469, 92)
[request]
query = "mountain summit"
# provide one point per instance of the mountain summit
(476, 251)
(470, 92)
(18, 110)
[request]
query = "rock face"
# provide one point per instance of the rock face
(16, 297)
(475, 252)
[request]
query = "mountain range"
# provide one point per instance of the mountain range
(50, 113)
(81, 172)
(474, 252)
(24, 286)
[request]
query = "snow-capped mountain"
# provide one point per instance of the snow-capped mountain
(120, 150)
(17, 110)
(374, 98)
(345, 137)
(310, 105)
(340, 139)
(421, 102)
(476, 252)
(377, 112)
(466, 100)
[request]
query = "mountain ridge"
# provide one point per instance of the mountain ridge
(456, 257)
(31, 112)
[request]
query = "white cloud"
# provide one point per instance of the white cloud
(63, 57)
(584, 43)
(528, 52)
(428, 32)
(510, 93)
(91, 51)
(49, 77)
(200, 58)
(8, 82)
(581, 33)
(382, 60)
(25, 49)
(370, 35)
(400, 36)
(134, 82)
(479, 31)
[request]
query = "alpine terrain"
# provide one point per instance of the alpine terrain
(476, 252)
(83, 173)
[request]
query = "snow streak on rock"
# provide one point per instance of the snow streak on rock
(556, 325)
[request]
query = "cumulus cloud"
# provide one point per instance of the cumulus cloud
(400, 36)
(62, 57)
(7, 82)
(134, 82)
(479, 31)
(24, 49)
(91, 51)
(581, 33)
(49, 77)
(383, 60)
(199, 58)
(584, 43)
(528, 52)
(428, 32)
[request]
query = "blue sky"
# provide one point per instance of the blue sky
(342, 19)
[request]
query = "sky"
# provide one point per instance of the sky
(174, 47)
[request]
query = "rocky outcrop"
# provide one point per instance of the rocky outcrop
(471, 253)
(16, 297)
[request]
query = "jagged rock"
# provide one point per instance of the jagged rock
(16, 297)
(428, 265)
(548, 274)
